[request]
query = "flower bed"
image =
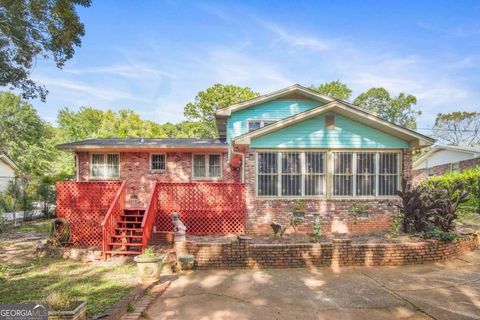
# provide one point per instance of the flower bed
(243, 253)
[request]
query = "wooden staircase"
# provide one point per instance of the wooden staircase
(128, 233)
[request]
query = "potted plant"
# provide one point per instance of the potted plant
(149, 265)
(61, 306)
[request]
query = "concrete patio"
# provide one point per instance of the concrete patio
(448, 290)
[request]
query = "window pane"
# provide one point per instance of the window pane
(267, 162)
(98, 163)
(267, 174)
(112, 166)
(253, 125)
(291, 185)
(267, 185)
(214, 166)
(314, 162)
(388, 174)
(199, 166)
(365, 174)
(314, 185)
(291, 162)
(388, 163)
(342, 174)
(158, 162)
(267, 123)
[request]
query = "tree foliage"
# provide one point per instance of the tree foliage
(398, 110)
(334, 89)
(206, 102)
(458, 128)
(32, 28)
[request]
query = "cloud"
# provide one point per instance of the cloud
(102, 93)
(134, 71)
(297, 40)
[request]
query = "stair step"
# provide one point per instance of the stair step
(126, 236)
(134, 209)
(132, 215)
(126, 244)
(134, 252)
(131, 222)
(132, 229)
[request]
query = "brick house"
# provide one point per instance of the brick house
(290, 145)
(442, 159)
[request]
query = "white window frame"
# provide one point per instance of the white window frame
(453, 164)
(207, 164)
(164, 162)
(328, 172)
(262, 123)
(104, 177)
(303, 174)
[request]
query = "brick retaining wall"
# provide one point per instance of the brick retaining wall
(243, 254)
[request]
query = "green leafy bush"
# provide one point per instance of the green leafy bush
(468, 178)
(436, 233)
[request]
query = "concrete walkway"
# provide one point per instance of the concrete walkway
(438, 291)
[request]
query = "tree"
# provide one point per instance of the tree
(210, 100)
(397, 109)
(32, 28)
(458, 128)
(79, 125)
(24, 135)
(334, 89)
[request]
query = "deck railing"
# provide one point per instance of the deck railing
(150, 215)
(84, 205)
(112, 217)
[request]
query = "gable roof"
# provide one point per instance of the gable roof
(291, 90)
(475, 151)
(8, 161)
(348, 110)
(140, 143)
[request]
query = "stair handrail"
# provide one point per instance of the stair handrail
(109, 222)
(149, 216)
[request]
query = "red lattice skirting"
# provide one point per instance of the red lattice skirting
(84, 205)
(205, 208)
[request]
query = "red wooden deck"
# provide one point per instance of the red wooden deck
(93, 209)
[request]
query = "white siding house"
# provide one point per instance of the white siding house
(441, 155)
(7, 171)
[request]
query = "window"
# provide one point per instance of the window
(257, 124)
(314, 173)
(455, 167)
(157, 162)
(304, 174)
(267, 174)
(105, 166)
(290, 174)
(207, 166)
(343, 173)
(366, 166)
(430, 172)
(388, 174)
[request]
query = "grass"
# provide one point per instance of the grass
(33, 279)
(470, 217)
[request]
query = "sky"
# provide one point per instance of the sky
(154, 56)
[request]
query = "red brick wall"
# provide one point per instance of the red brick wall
(335, 213)
(242, 254)
(421, 174)
(135, 170)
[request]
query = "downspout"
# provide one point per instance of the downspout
(243, 162)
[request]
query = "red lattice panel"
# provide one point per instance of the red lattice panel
(205, 208)
(84, 205)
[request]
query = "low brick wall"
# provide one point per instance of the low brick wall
(244, 254)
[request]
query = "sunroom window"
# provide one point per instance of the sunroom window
(207, 166)
(290, 174)
(105, 166)
(304, 174)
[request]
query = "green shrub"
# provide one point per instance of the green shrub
(439, 234)
(317, 228)
(149, 252)
(60, 301)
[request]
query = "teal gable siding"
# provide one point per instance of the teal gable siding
(273, 110)
(313, 134)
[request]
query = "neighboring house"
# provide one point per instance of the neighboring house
(441, 159)
(7, 171)
(289, 145)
